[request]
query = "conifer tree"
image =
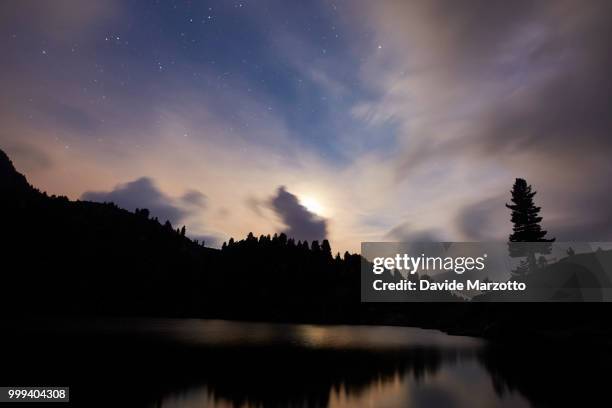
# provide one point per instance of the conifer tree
(525, 215)
(326, 248)
(315, 246)
(526, 227)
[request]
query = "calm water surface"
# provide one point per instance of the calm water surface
(214, 363)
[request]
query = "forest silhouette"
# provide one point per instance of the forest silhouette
(80, 258)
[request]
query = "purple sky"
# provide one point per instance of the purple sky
(353, 120)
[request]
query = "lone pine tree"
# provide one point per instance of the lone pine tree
(526, 226)
(525, 215)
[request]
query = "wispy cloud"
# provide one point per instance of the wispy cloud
(417, 115)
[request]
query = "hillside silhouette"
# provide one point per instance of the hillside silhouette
(79, 258)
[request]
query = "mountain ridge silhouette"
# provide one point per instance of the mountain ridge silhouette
(11, 181)
(79, 258)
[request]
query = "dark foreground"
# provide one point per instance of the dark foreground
(214, 363)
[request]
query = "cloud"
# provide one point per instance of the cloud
(195, 198)
(301, 224)
(518, 90)
(458, 101)
(480, 221)
(256, 205)
(141, 193)
(406, 233)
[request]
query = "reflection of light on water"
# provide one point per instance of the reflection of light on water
(433, 369)
(369, 337)
(390, 393)
(465, 384)
(198, 398)
(322, 337)
(213, 332)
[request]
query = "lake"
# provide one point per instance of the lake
(216, 363)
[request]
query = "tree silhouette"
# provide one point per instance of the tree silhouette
(526, 227)
(326, 249)
(525, 215)
(315, 246)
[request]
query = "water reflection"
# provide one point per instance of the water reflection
(196, 363)
(450, 386)
(336, 366)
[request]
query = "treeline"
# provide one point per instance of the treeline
(79, 257)
(62, 257)
(272, 275)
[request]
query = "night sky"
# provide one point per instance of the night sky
(351, 120)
